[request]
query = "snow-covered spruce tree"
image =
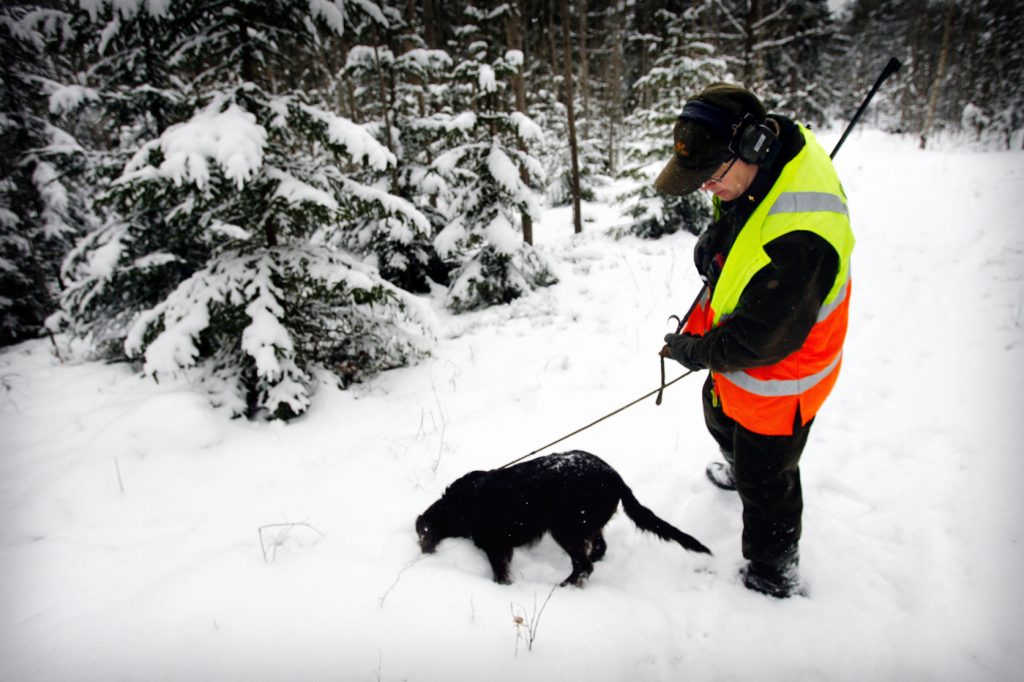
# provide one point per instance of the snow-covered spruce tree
(214, 260)
(487, 195)
(550, 113)
(803, 48)
(548, 109)
(40, 213)
(122, 92)
(683, 67)
(400, 94)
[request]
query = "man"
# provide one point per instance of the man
(772, 317)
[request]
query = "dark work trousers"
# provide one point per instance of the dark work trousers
(767, 474)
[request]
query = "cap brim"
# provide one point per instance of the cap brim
(674, 179)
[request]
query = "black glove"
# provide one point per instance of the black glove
(688, 350)
(706, 256)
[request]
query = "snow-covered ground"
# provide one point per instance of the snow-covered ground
(144, 536)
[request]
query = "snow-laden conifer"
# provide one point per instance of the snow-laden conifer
(218, 255)
(399, 93)
(487, 194)
(682, 68)
(40, 210)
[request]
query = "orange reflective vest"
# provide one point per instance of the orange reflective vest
(807, 196)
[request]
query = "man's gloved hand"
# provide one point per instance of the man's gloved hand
(706, 257)
(702, 251)
(686, 349)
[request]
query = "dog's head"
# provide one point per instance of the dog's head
(449, 517)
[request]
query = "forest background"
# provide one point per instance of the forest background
(258, 193)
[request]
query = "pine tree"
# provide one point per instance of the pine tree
(991, 73)
(40, 213)
(215, 258)
(779, 50)
(550, 110)
(401, 94)
(877, 30)
(976, 90)
(684, 66)
(798, 60)
(487, 194)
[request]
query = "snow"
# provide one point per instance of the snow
(502, 235)
(229, 230)
(357, 141)
(333, 14)
(265, 337)
(447, 240)
(514, 58)
(54, 198)
(487, 80)
(426, 59)
(228, 135)
(295, 191)
(8, 218)
(394, 205)
(371, 9)
(104, 259)
(67, 98)
(505, 173)
(125, 8)
(145, 536)
(526, 128)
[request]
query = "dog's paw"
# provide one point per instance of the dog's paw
(576, 580)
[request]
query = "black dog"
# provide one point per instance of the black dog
(572, 495)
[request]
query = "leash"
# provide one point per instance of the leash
(680, 323)
(645, 396)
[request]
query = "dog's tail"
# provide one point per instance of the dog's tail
(647, 520)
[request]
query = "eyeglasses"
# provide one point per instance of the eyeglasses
(718, 179)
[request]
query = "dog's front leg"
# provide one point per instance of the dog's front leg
(500, 558)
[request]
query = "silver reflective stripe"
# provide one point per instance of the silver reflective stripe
(805, 202)
(774, 388)
(827, 309)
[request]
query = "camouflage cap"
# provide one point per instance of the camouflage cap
(703, 133)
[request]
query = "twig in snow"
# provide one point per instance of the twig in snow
(284, 531)
(629, 268)
(398, 578)
(9, 383)
(444, 422)
(530, 624)
(56, 348)
(120, 482)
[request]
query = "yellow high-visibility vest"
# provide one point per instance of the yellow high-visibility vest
(807, 196)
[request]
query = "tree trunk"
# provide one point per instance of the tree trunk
(750, 61)
(514, 39)
(581, 8)
(614, 107)
(387, 99)
(573, 151)
(940, 72)
(552, 48)
(429, 23)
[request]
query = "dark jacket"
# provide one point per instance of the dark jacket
(780, 304)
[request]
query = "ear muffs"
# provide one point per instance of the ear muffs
(752, 141)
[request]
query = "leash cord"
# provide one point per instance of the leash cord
(601, 419)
